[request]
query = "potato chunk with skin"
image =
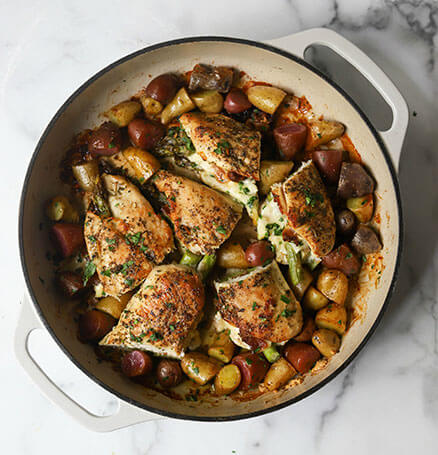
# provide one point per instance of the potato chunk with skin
(332, 317)
(114, 306)
(326, 341)
(144, 164)
(123, 113)
(334, 285)
(362, 207)
(322, 131)
(179, 105)
(232, 256)
(265, 98)
(227, 380)
(279, 374)
(199, 367)
(209, 101)
(314, 300)
(273, 172)
(222, 348)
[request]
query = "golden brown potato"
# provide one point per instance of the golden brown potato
(326, 341)
(60, 209)
(209, 101)
(265, 98)
(143, 163)
(222, 348)
(195, 340)
(279, 374)
(333, 284)
(273, 172)
(314, 300)
(122, 113)
(231, 255)
(152, 108)
(332, 317)
(179, 105)
(227, 380)
(300, 288)
(114, 306)
(362, 207)
(199, 367)
(322, 131)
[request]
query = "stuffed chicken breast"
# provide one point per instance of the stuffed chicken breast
(298, 211)
(259, 308)
(202, 217)
(227, 155)
(162, 316)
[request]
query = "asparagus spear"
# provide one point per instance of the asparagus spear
(295, 267)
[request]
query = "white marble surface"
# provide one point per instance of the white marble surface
(387, 400)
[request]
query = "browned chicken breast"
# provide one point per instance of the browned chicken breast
(229, 146)
(260, 306)
(145, 228)
(121, 266)
(303, 200)
(203, 218)
(162, 316)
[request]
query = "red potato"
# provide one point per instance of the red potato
(169, 373)
(69, 283)
(258, 253)
(208, 77)
(145, 134)
(345, 221)
(366, 241)
(105, 140)
(136, 363)
(236, 101)
(290, 139)
(354, 181)
(253, 368)
(163, 88)
(307, 330)
(302, 356)
(67, 237)
(343, 259)
(94, 325)
(328, 163)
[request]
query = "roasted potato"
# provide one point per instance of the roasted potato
(332, 317)
(326, 341)
(259, 253)
(302, 356)
(300, 288)
(222, 348)
(199, 367)
(314, 300)
(60, 209)
(366, 241)
(122, 113)
(178, 106)
(152, 108)
(322, 131)
(279, 374)
(343, 259)
(209, 77)
(253, 368)
(232, 256)
(328, 163)
(209, 101)
(354, 181)
(290, 139)
(345, 222)
(227, 380)
(169, 373)
(114, 306)
(362, 207)
(143, 163)
(273, 172)
(333, 284)
(136, 363)
(265, 98)
(307, 330)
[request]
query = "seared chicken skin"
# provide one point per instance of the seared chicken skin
(303, 200)
(202, 218)
(145, 228)
(163, 314)
(231, 147)
(261, 306)
(121, 266)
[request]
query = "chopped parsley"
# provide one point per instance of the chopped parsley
(251, 201)
(285, 298)
(286, 313)
(133, 238)
(106, 272)
(91, 238)
(90, 270)
(273, 227)
(221, 230)
(312, 198)
(254, 306)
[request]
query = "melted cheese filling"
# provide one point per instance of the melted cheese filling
(270, 225)
(244, 192)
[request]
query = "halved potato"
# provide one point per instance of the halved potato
(333, 284)
(222, 348)
(332, 317)
(279, 374)
(265, 98)
(143, 163)
(209, 101)
(227, 380)
(322, 131)
(121, 114)
(113, 306)
(178, 106)
(151, 107)
(326, 341)
(362, 207)
(273, 172)
(314, 300)
(60, 208)
(199, 367)
(232, 256)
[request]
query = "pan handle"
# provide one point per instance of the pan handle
(126, 414)
(299, 42)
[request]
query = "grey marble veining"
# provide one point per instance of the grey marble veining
(387, 400)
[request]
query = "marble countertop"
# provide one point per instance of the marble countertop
(387, 400)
